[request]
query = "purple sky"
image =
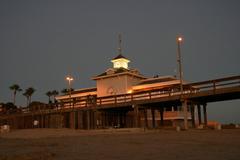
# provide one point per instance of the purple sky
(43, 41)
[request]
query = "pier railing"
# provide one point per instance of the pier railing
(189, 89)
(128, 99)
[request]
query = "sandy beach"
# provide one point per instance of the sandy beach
(120, 144)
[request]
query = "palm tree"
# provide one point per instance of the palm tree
(49, 94)
(54, 93)
(28, 94)
(66, 91)
(15, 88)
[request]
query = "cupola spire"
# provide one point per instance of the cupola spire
(119, 43)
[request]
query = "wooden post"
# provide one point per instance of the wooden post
(80, 119)
(153, 117)
(125, 119)
(97, 119)
(103, 115)
(76, 119)
(47, 120)
(88, 119)
(92, 119)
(145, 118)
(106, 119)
(185, 113)
(205, 113)
(161, 116)
(23, 117)
(193, 115)
(199, 114)
(42, 121)
(136, 121)
(72, 120)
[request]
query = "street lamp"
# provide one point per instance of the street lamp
(69, 79)
(179, 41)
(184, 102)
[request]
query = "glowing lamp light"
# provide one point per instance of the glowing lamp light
(129, 91)
(69, 78)
(179, 39)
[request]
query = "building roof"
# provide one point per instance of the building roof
(156, 83)
(84, 90)
(113, 71)
(165, 82)
(118, 71)
(157, 80)
(119, 56)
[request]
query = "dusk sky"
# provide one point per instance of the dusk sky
(42, 41)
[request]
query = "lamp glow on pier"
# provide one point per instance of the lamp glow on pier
(69, 79)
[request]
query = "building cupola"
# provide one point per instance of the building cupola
(120, 61)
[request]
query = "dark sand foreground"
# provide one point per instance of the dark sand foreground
(120, 144)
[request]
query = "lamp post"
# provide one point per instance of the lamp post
(69, 79)
(184, 102)
(179, 41)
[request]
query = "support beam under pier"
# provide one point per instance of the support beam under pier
(136, 115)
(161, 116)
(145, 118)
(153, 118)
(193, 115)
(185, 112)
(205, 113)
(199, 114)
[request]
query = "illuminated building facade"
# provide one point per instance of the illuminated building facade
(120, 79)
